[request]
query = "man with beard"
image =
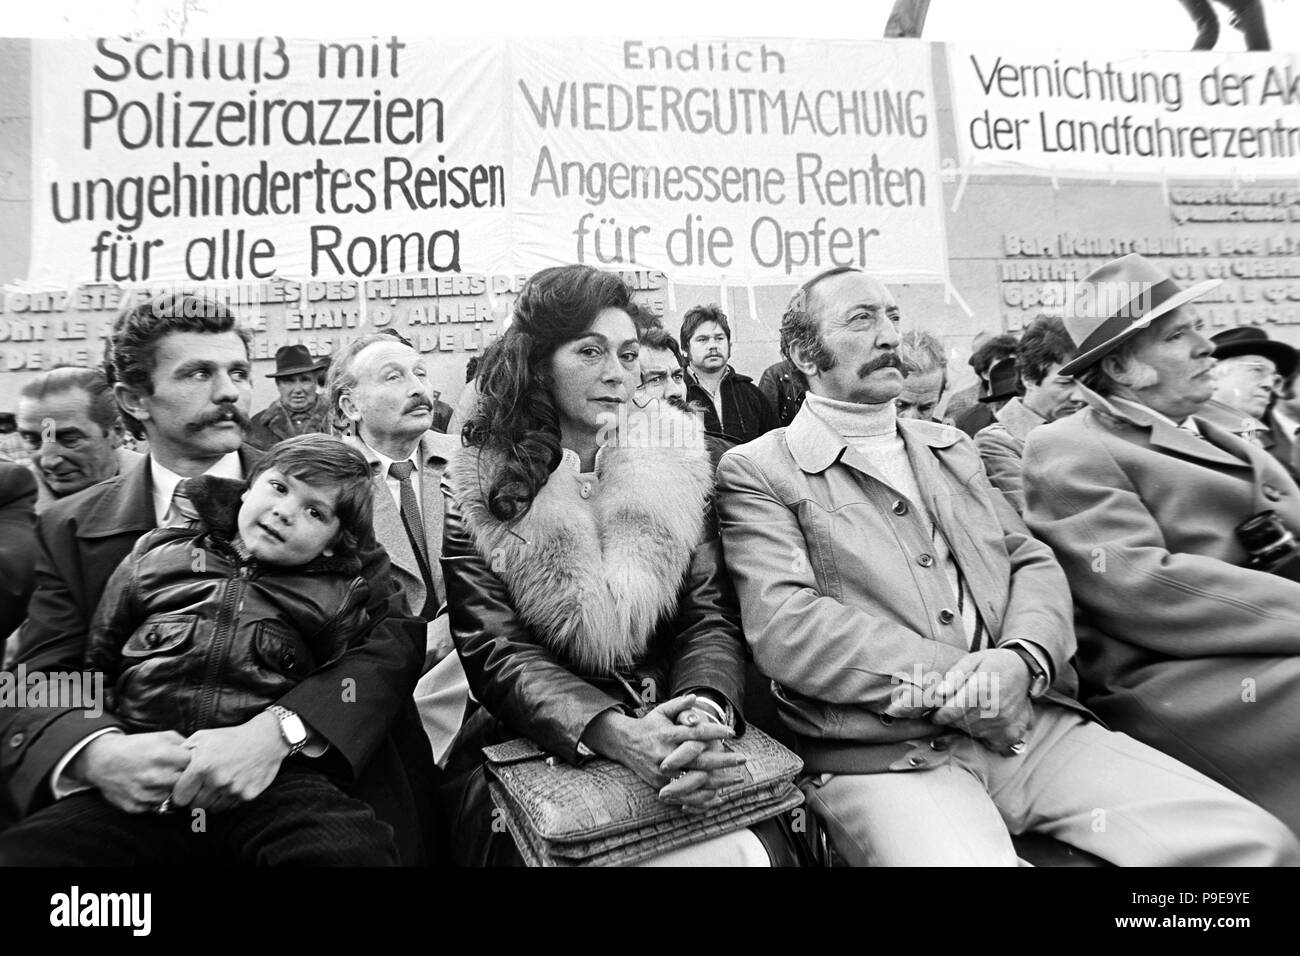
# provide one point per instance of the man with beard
(1043, 348)
(93, 794)
(919, 638)
(69, 419)
(301, 409)
(734, 409)
(1141, 497)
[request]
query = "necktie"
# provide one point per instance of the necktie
(411, 519)
(182, 513)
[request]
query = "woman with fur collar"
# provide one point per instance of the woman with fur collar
(584, 574)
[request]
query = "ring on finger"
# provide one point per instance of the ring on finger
(1018, 747)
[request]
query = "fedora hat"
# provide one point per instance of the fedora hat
(294, 360)
(1117, 301)
(1004, 382)
(1252, 341)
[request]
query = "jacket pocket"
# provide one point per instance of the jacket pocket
(164, 634)
(281, 649)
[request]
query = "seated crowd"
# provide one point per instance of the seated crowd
(620, 548)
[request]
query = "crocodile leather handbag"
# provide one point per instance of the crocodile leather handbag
(603, 814)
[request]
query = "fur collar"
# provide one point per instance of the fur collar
(593, 577)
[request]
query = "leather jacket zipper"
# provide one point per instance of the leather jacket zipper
(215, 659)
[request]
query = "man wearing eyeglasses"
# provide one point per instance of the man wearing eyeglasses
(1248, 374)
(71, 428)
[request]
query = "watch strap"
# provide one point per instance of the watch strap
(1038, 682)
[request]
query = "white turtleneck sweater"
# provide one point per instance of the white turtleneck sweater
(872, 431)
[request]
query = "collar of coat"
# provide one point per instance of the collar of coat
(729, 374)
(815, 445)
(592, 578)
(125, 502)
(1169, 437)
(1018, 418)
(434, 446)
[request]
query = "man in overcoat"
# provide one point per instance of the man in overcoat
(1141, 498)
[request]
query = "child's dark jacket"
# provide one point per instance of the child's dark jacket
(192, 636)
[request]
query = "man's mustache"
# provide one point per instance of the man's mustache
(415, 403)
(888, 360)
(226, 413)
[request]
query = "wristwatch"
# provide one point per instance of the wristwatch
(1037, 676)
(291, 728)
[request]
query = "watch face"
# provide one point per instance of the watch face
(294, 731)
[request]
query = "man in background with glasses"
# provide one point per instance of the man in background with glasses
(69, 422)
(1248, 375)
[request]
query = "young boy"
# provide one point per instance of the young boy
(208, 625)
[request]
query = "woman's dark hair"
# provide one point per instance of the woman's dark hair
(516, 416)
(325, 462)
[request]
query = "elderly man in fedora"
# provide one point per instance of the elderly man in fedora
(1141, 497)
(1248, 375)
(301, 408)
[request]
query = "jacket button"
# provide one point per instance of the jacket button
(939, 743)
(886, 719)
(946, 616)
(290, 659)
(916, 761)
(900, 507)
(1271, 493)
(16, 740)
(924, 560)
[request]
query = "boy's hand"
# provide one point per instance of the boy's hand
(133, 772)
(231, 765)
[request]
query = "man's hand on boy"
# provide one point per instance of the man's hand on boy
(231, 765)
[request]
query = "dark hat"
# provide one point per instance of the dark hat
(1004, 383)
(1119, 300)
(294, 360)
(1249, 340)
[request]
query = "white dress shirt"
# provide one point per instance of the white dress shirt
(165, 481)
(395, 486)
